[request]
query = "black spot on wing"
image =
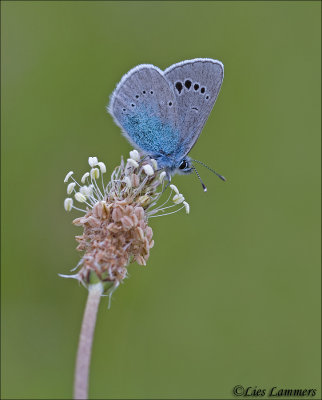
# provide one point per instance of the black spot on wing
(187, 84)
(179, 87)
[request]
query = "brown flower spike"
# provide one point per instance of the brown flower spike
(116, 230)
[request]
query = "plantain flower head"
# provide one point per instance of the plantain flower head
(116, 216)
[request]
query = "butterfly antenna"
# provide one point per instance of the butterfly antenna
(203, 185)
(210, 169)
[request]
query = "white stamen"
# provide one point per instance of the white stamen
(76, 276)
(174, 188)
(163, 215)
(132, 163)
(70, 173)
(148, 170)
(178, 198)
(80, 197)
(84, 177)
(154, 163)
(68, 204)
(162, 176)
(127, 180)
(92, 161)
(161, 209)
(70, 187)
(83, 190)
(91, 188)
(134, 154)
(86, 191)
(102, 167)
(187, 207)
(166, 202)
(95, 173)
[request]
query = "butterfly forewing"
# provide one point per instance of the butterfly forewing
(196, 84)
(144, 106)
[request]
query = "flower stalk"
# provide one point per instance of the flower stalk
(85, 342)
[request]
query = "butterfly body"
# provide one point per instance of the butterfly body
(162, 113)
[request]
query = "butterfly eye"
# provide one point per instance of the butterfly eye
(183, 164)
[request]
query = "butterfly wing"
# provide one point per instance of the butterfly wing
(196, 84)
(145, 108)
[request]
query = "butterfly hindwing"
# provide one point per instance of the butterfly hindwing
(196, 84)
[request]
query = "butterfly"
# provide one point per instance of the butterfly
(162, 113)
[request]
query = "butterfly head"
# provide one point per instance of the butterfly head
(175, 165)
(184, 167)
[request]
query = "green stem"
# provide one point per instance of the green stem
(85, 342)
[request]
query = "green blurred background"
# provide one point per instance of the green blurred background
(231, 293)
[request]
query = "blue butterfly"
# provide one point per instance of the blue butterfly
(162, 113)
